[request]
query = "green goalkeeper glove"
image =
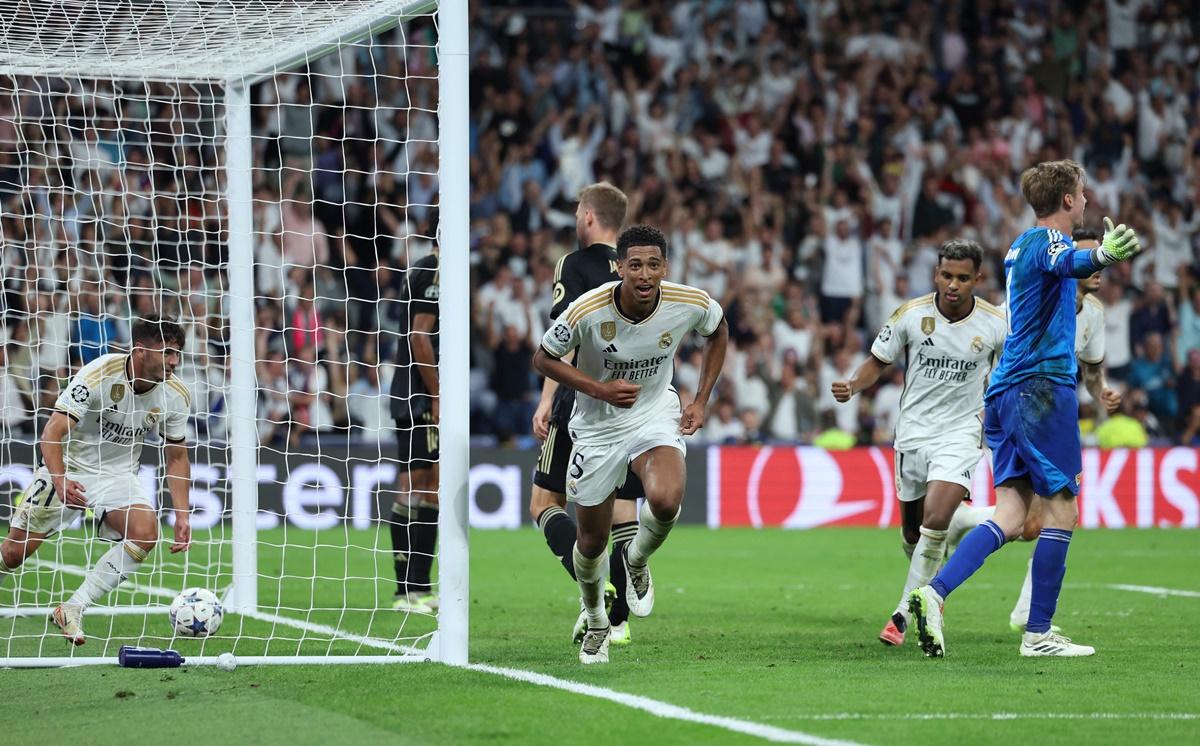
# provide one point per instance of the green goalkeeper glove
(1120, 244)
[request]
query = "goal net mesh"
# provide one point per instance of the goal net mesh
(114, 206)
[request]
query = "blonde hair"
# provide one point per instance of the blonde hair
(606, 202)
(1045, 184)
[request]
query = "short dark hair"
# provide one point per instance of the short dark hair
(961, 248)
(1086, 234)
(154, 329)
(640, 235)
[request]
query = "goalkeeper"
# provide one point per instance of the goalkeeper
(1031, 418)
(104, 414)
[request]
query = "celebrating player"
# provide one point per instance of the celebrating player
(599, 216)
(1089, 350)
(1031, 417)
(627, 413)
(949, 341)
(104, 414)
(415, 396)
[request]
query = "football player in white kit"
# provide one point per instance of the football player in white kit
(104, 414)
(1089, 350)
(627, 414)
(947, 342)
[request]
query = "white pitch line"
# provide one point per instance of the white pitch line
(300, 624)
(995, 716)
(661, 709)
(1154, 590)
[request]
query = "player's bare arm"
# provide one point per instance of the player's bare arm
(710, 369)
(541, 417)
(179, 484)
(422, 352)
(617, 392)
(71, 492)
(863, 378)
(1097, 385)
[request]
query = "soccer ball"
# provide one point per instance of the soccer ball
(196, 612)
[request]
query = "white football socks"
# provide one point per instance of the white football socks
(1020, 612)
(926, 559)
(650, 535)
(965, 518)
(117, 564)
(592, 574)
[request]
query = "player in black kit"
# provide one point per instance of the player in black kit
(415, 407)
(598, 218)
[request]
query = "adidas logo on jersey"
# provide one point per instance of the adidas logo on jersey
(928, 342)
(611, 349)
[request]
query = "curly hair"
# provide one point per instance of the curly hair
(961, 248)
(640, 235)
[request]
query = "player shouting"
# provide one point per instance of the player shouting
(627, 414)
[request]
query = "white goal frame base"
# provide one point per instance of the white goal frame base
(211, 660)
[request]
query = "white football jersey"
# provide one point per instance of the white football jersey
(611, 346)
(112, 421)
(1089, 331)
(946, 368)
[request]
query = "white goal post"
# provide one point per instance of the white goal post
(206, 57)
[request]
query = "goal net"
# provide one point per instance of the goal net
(274, 177)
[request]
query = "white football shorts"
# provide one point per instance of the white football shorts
(948, 461)
(42, 510)
(595, 471)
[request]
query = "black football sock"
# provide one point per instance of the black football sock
(402, 516)
(622, 534)
(424, 542)
(560, 534)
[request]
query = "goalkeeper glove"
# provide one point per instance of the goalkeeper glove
(1120, 244)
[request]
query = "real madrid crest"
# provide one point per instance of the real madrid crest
(665, 340)
(977, 344)
(117, 392)
(927, 324)
(152, 418)
(608, 330)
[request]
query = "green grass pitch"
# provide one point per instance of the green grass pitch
(767, 626)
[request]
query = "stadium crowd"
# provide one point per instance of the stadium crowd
(805, 159)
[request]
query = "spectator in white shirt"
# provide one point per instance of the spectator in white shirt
(842, 274)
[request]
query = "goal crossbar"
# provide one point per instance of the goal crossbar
(47, 37)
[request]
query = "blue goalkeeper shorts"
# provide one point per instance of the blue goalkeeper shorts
(1033, 431)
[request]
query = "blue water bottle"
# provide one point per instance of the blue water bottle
(134, 657)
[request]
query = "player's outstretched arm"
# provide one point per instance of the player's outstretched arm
(863, 378)
(1120, 244)
(617, 392)
(179, 484)
(710, 369)
(56, 430)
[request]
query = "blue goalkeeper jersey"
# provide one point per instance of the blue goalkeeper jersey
(1039, 280)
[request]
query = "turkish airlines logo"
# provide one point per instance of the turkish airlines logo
(805, 487)
(800, 487)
